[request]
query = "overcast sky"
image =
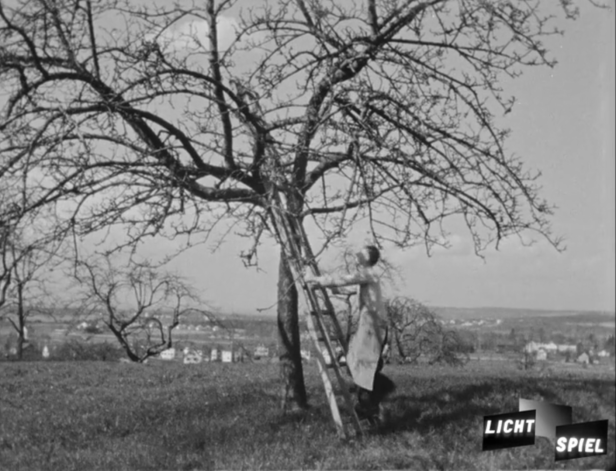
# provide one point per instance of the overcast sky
(563, 125)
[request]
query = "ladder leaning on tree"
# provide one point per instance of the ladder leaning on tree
(323, 326)
(294, 242)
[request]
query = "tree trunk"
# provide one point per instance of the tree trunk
(291, 370)
(119, 334)
(21, 321)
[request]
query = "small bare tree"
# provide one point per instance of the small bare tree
(6, 268)
(29, 253)
(416, 331)
(140, 304)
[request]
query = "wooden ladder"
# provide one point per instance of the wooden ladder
(323, 326)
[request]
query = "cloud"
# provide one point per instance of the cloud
(192, 36)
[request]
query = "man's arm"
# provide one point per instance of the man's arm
(329, 281)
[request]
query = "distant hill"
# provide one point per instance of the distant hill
(476, 313)
(512, 313)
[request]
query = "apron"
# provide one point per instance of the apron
(367, 344)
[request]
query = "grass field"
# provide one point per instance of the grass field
(107, 416)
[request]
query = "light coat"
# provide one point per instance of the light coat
(367, 344)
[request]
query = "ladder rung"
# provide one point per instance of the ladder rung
(338, 392)
(322, 313)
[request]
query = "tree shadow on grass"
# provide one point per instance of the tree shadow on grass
(421, 414)
(462, 405)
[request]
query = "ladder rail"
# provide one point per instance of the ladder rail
(310, 260)
(327, 301)
(287, 233)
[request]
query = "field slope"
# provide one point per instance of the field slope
(106, 416)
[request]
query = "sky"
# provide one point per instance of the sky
(562, 124)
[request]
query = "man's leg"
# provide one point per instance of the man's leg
(383, 386)
(369, 401)
(365, 407)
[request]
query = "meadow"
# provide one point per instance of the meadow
(159, 416)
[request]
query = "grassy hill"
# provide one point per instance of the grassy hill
(108, 416)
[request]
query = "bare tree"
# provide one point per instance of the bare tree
(416, 331)
(379, 113)
(139, 303)
(6, 270)
(29, 253)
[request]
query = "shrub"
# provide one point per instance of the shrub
(93, 329)
(75, 350)
(416, 332)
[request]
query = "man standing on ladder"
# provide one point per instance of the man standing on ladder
(365, 355)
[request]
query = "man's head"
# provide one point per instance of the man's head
(368, 256)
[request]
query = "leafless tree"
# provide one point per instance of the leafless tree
(139, 303)
(6, 270)
(29, 252)
(416, 331)
(380, 113)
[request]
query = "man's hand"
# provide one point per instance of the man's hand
(308, 278)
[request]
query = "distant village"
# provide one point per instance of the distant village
(201, 340)
(234, 351)
(550, 351)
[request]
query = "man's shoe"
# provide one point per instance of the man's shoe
(383, 415)
(366, 412)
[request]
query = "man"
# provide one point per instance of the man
(364, 357)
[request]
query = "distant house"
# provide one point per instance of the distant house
(227, 356)
(583, 358)
(542, 355)
(531, 347)
(193, 357)
(238, 355)
(603, 354)
(214, 354)
(168, 354)
(261, 352)
(551, 347)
